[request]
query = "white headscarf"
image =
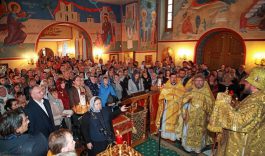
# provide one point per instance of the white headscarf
(92, 104)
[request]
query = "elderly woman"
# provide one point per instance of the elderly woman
(96, 126)
(13, 141)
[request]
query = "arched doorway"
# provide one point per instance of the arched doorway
(65, 39)
(220, 46)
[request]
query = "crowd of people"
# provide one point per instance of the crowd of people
(43, 98)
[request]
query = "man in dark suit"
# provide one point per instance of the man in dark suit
(39, 113)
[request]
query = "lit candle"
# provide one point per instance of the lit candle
(118, 137)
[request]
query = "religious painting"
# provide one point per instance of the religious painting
(14, 16)
(108, 20)
(3, 68)
(20, 34)
(131, 20)
(114, 57)
(192, 18)
(57, 32)
(153, 39)
(168, 55)
(148, 59)
(131, 24)
(148, 24)
(106, 31)
(98, 41)
(128, 57)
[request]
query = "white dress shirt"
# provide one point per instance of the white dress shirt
(82, 98)
(42, 106)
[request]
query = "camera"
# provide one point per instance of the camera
(108, 135)
(104, 131)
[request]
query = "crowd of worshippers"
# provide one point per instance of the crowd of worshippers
(56, 84)
(122, 79)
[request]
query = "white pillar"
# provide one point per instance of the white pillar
(76, 48)
(84, 49)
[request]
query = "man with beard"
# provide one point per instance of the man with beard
(169, 109)
(240, 129)
(197, 108)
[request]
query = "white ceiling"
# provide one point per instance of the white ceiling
(116, 1)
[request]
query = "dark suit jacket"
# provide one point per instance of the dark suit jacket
(39, 121)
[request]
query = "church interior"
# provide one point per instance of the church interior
(167, 66)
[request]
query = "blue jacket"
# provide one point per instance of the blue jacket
(104, 92)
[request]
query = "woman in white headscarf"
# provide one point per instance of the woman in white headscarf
(97, 126)
(4, 96)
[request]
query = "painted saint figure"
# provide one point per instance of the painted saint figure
(144, 28)
(187, 26)
(98, 40)
(153, 28)
(14, 26)
(107, 33)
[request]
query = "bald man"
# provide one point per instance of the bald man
(39, 113)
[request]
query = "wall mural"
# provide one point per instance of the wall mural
(15, 17)
(148, 25)
(131, 26)
(22, 21)
(57, 32)
(140, 20)
(192, 18)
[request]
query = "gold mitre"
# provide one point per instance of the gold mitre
(257, 77)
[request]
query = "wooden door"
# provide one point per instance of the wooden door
(223, 48)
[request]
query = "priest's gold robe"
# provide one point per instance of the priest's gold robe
(243, 128)
(200, 102)
(172, 94)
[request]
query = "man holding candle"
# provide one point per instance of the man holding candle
(240, 131)
(97, 127)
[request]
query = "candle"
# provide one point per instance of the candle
(118, 137)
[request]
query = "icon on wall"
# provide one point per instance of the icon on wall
(3, 69)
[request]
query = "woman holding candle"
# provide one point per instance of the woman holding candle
(97, 126)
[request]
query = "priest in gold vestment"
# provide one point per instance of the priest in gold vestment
(241, 129)
(169, 106)
(197, 107)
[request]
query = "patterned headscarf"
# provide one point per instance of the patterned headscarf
(92, 104)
